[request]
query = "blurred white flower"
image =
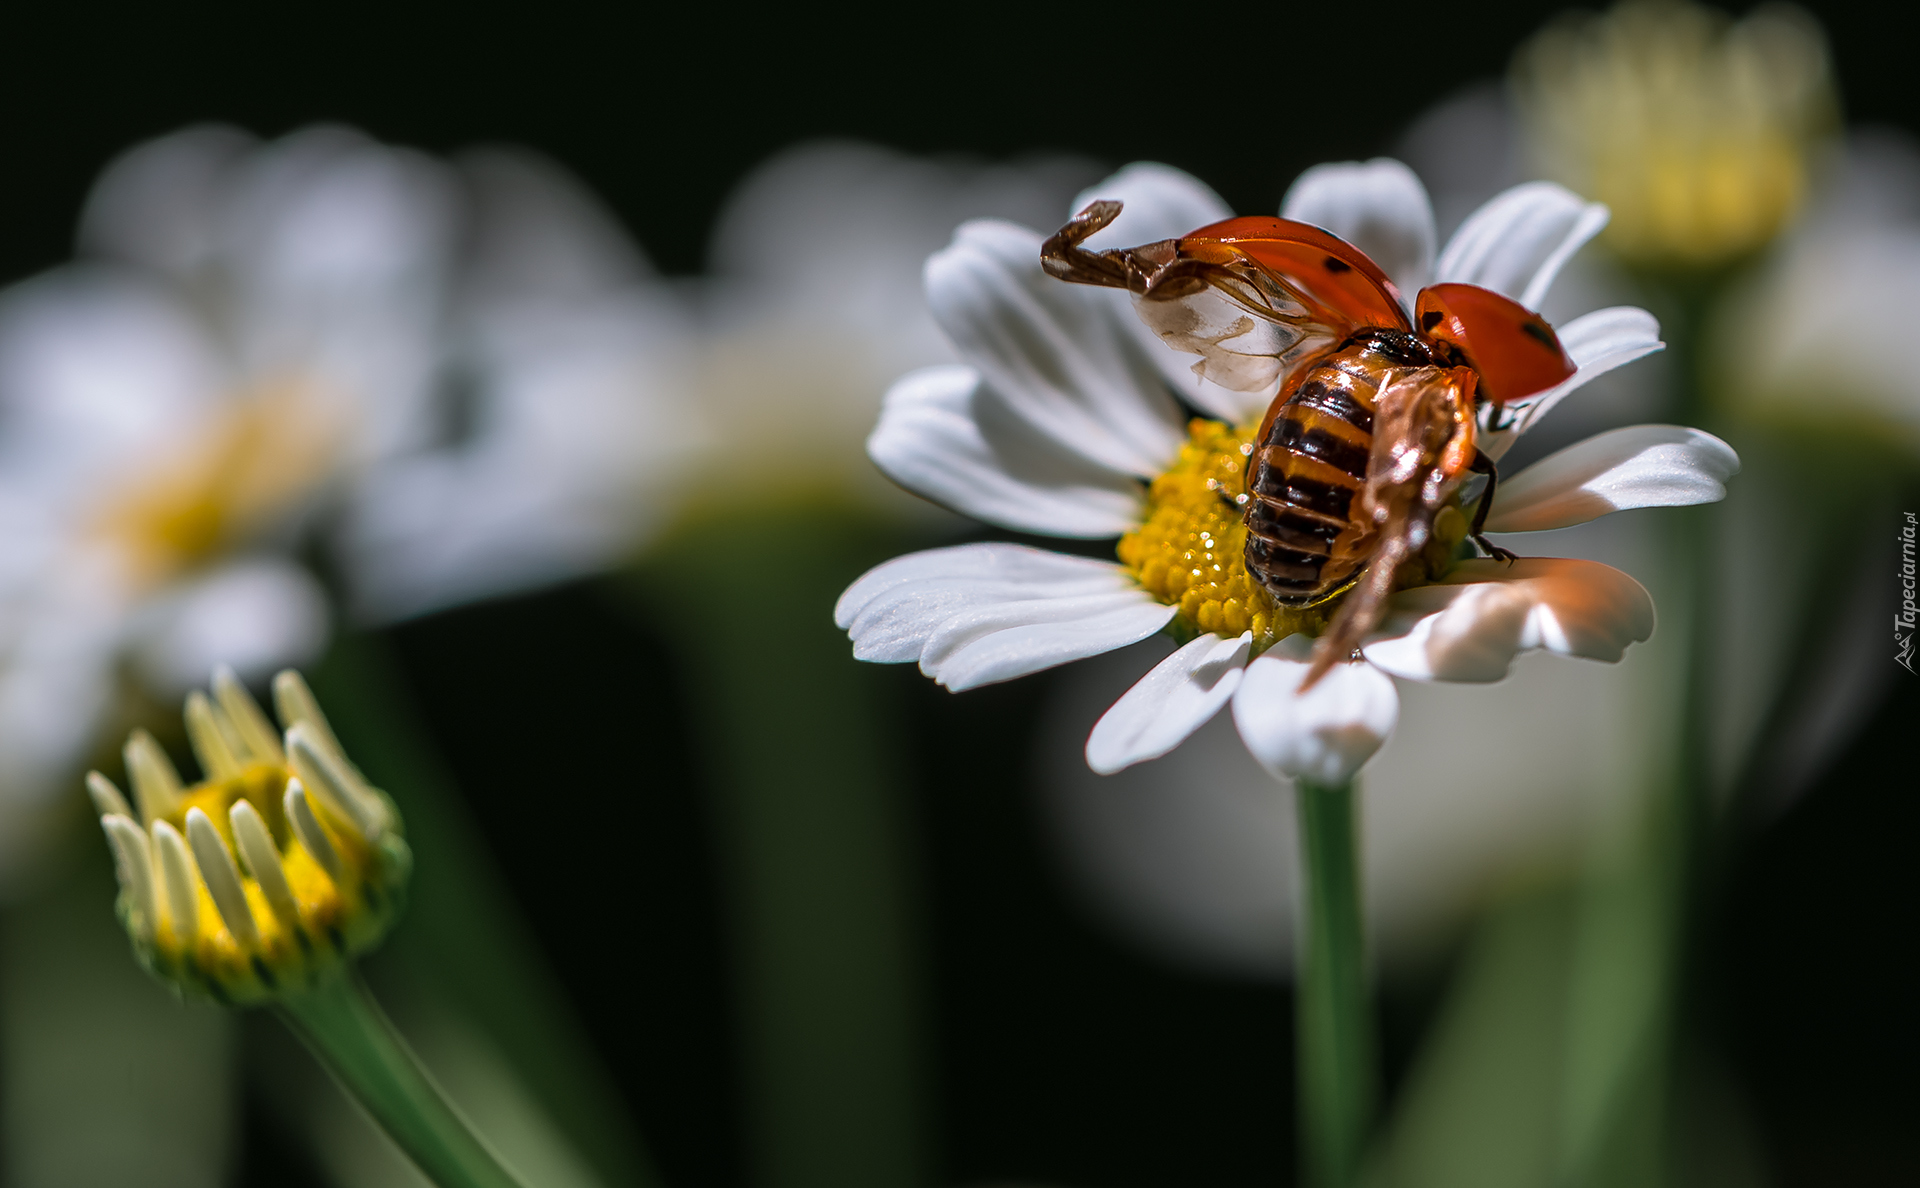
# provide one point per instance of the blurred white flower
(1815, 328)
(449, 381)
(246, 615)
(816, 303)
(562, 418)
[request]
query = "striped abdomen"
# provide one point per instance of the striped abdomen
(1309, 465)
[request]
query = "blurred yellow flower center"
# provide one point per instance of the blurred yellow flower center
(248, 466)
(1696, 130)
(1191, 552)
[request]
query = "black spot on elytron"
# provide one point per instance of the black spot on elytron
(1430, 319)
(1336, 265)
(1541, 333)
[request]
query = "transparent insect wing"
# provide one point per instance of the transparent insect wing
(1256, 298)
(1514, 350)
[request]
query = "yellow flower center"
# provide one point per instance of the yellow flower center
(1696, 131)
(1191, 551)
(255, 460)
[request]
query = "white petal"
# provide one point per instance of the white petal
(1323, 735)
(1178, 697)
(133, 863)
(1378, 206)
(339, 251)
(1019, 569)
(1636, 466)
(256, 615)
(976, 614)
(538, 231)
(97, 367)
(1187, 854)
(1470, 627)
(1059, 354)
(222, 878)
(1606, 338)
(1160, 202)
(946, 435)
(578, 426)
(1516, 243)
(326, 214)
(157, 204)
(1598, 342)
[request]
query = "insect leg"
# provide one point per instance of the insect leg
(1495, 426)
(1063, 257)
(1484, 465)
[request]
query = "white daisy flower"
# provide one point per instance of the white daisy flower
(243, 325)
(455, 380)
(1066, 419)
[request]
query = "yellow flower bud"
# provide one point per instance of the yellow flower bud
(277, 868)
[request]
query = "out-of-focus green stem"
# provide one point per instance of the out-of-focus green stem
(1626, 996)
(812, 841)
(339, 1021)
(463, 943)
(1335, 1033)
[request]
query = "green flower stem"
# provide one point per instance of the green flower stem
(1629, 968)
(464, 943)
(814, 844)
(1335, 1032)
(342, 1025)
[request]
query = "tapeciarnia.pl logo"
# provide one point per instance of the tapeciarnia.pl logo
(1903, 622)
